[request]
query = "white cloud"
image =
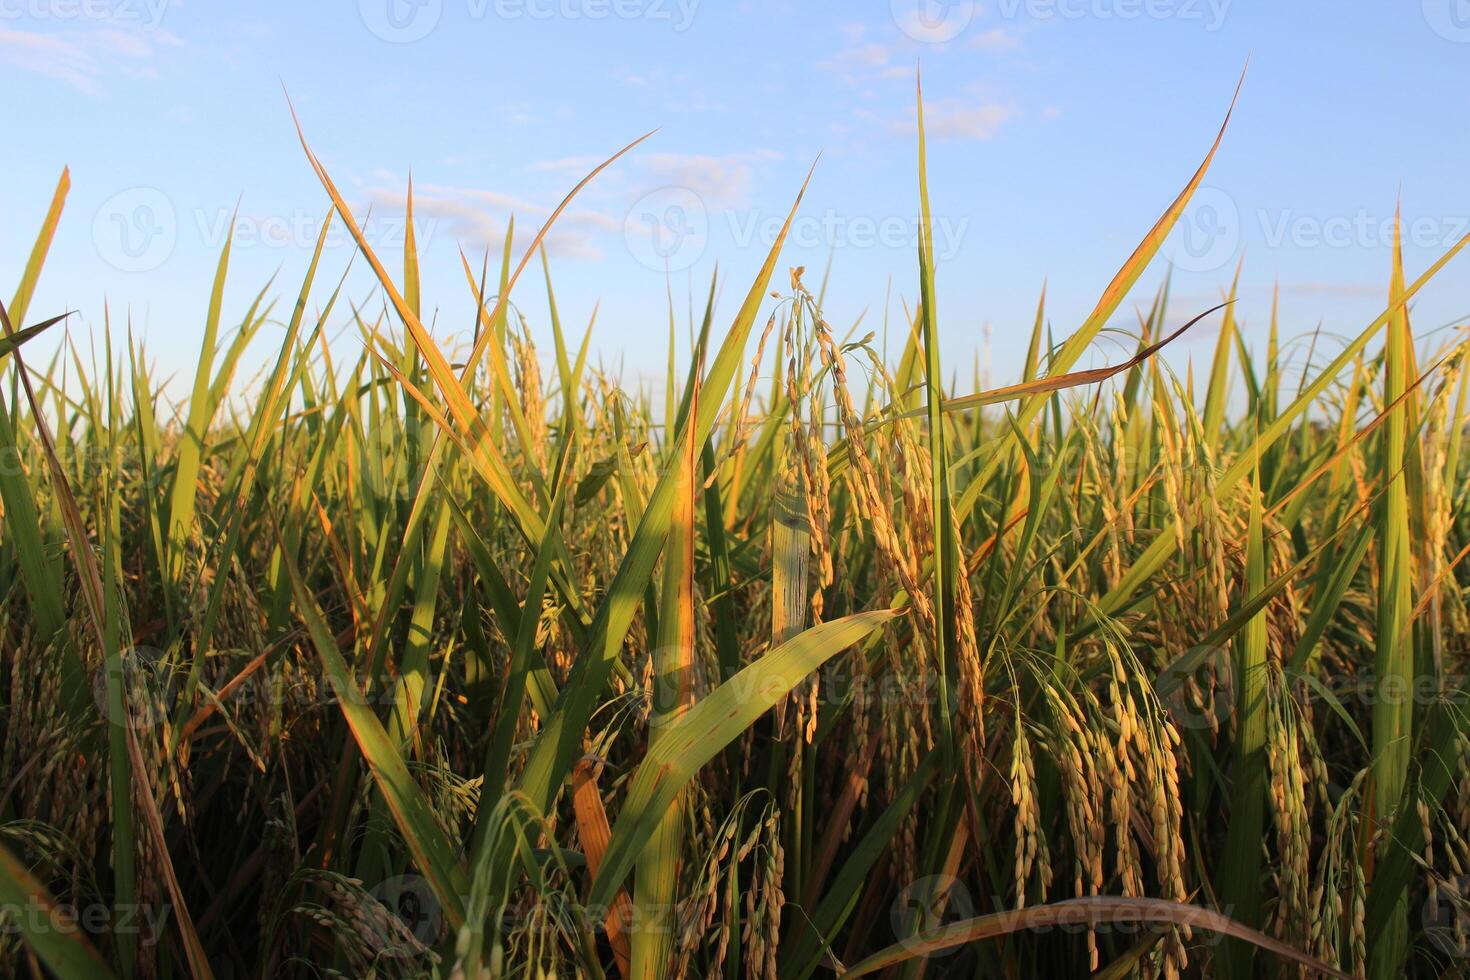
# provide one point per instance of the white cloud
(654, 75)
(490, 199)
(479, 218)
(83, 56)
(936, 32)
(870, 55)
(48, 56)
(959, 119)
(892, 52)
(720, 181)
(995, 39)
(854, 63)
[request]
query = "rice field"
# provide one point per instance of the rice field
(464, 658)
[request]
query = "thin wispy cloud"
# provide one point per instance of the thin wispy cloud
(964, 120)
(974, 118)
(861, 57)
(721, 181)
(870, 55)
(889, 51)
(477, 218)
(646, 77)
(85, 56)
(995, 39)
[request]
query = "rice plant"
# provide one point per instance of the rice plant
(465, 658)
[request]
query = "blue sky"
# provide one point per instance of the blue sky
(1059, 130)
